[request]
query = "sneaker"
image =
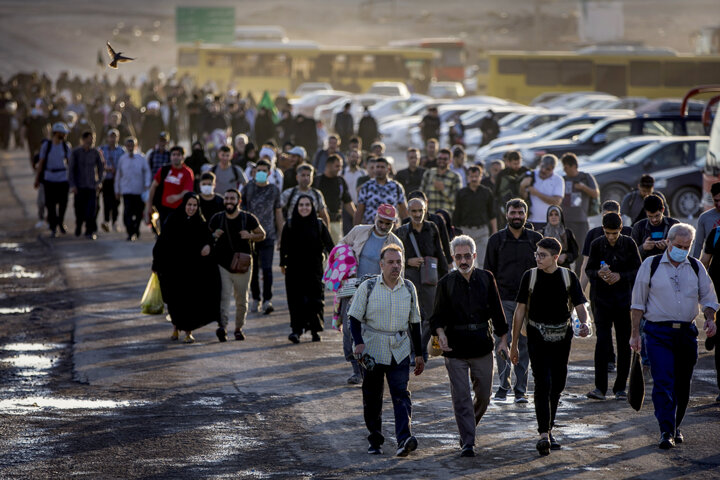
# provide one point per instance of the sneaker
(375, 450)
(666, 441)
(521, 398)
(611, 367)
(316, 337)
(679, 438)
(105, 226)
(255, 306)
(409, 445)
(294, 338)
(267, 307)
(596, 395)
(239, 335)
(467, 451)
(622, 395)
(500, 395)
(543, 446)
(554, 444)
(221, 334)
(354, 379)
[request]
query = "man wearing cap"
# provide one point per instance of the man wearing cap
(52, 173)
(632, 204)
(297, 157)
(85, 174)
(132, 179)
(152, 126)
(111, 152)
(333, 148)
(380, 190)
(159, 156)
(366, 242)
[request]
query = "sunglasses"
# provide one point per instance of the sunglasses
(461, 256)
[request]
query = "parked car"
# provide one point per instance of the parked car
(389, 89)
(309, 87)
(682, 186)
(617, 150)
(616, 179)
(307, 104)
(327, 113)
(446, 90)
(395, 105)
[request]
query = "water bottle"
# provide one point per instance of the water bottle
(576, 325)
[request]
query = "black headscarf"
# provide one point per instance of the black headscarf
(180, 235)
(196, 159)
(451, 230)
(304, 227)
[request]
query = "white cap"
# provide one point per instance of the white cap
(267, 152)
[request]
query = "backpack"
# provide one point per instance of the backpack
(234, 168)
(36, 158)
(655, 263)
(372, 281)
(509, 187)
(286, 207)
(531, 286)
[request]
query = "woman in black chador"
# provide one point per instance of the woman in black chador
(304, 244)
(189, 276)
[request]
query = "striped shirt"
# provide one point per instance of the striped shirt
(441, 199)
(389, 311)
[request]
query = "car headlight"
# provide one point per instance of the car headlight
(661, 184)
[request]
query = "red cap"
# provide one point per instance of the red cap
(387, 212)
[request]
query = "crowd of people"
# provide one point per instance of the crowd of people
(518, 239)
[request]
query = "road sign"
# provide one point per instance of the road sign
(204, 24)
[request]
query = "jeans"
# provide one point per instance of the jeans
(262, 259)
(398, 376)
(56, 199)
(549, 362)
(86, 209)
(234, 286)
(133, 207)
(673, 353)
(469, 411)
(504, 368)
(605, 319)
(110, 203)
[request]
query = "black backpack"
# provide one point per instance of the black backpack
(655, 263)
(48, 142)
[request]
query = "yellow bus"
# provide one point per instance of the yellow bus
(522, 76)
(275, 65)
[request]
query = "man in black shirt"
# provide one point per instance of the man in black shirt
(612, 266)
(234, 231)
(437, 220)
(475, 212)
(466, 303)
(545, 307)
(336, 193)
(421, 240)
(210, 202)
(411, 178)
(650, 234)
(510, 253)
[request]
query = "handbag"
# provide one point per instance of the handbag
(636, 386)
(428, 270)
(240, 262)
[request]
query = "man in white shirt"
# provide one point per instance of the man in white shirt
(544, 188)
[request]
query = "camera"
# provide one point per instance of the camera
(367, 362)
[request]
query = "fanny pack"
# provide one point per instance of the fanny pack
(551, 333)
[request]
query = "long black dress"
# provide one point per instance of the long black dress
(190, 283)
(304, 244)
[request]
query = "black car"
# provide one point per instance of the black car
(611, 129)
(616, 179)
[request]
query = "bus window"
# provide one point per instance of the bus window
(645, 74)
(708, 72)
(511, 66)
(542, 72)
(576, 72)
(678, 74)
(218, 60)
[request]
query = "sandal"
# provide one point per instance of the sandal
(189, 338)
(175, 335)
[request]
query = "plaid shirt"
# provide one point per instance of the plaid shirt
(387, 310)
(111, 159)
(158, 160)
(441, 199)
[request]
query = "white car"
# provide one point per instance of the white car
(389, 89)
(395, 106)
(308, 103)
(310, 87)
(327, 113)
(446, 90)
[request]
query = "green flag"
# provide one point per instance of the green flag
(267, 102)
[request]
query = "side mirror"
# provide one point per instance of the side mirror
(599, 138)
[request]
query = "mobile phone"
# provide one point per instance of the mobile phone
(657, 236)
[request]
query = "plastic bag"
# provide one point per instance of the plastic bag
(152, 301)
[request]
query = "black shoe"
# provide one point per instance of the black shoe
(554, 444)
(375, 450)
(666, 441)
(62, 228)
(91, 236)
(467, 451)
(622, 395)
(611, 367)
(543, 446)
(221, 334)
(500, 395)
(710, 342)
(316, 337)
(409, 445)
(294, 338)
(679, 438)
(239, 335)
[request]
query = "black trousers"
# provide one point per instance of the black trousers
(398, 376)
(549, 362)
(133, 207)
(605, 319)
(110, 203)
(56, 199)
(86, 209)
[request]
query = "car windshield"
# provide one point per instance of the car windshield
(641, 154)
(614, 150)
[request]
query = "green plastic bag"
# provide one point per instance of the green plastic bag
(152, 301)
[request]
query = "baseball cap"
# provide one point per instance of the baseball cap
(113, 131)
(387, 212)
(163, 136)
(60, 127)
(267, 152)
(299, 151)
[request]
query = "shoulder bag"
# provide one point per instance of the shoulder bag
(241, 261)
(428, 270)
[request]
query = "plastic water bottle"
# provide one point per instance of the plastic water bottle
(577, 325)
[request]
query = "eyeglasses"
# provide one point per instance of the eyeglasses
(461, 256)
(541, 255)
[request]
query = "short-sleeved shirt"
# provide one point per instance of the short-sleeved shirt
(549, 301)
(226, 178)
(262, 202)
(336, 194)
(176, 181)
(575, 203)
(56, 165)
(372, 195)
(231, 235)
(289, 198)
(209, 208)
(553, 186)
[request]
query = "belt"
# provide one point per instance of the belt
(470, 326)
(676, 325)
(383, 332)
(56, 169)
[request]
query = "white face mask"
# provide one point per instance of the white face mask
(207, 189)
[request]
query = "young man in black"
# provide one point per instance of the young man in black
(549, 334)
(337, 195)
(650, 234)
(612, 266)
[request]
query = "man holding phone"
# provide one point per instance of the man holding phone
(650, 234)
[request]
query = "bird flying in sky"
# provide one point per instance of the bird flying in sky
(117, 57)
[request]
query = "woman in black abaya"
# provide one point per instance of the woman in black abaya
(181, 257)
(304, 244)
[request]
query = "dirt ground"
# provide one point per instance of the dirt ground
(94, 389)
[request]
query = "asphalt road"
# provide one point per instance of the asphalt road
(94, 389)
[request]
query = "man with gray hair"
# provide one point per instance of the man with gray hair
(467, 312)
(543, 189)
(667, 290)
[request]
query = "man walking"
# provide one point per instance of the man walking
(580, 189)
(467, 312)
(52, 174)
(411, 177)
(289, 197)
(510, 253)
(666, 294)
(708, 220)
(475, 212)
(111, 152)
(632, 204)
(85, 174)
(378, 191)
(132, 179)
(441, 185)
(650, 233)
(383, 311)
(336, 194)
(170, 184)
(543, 189)
(612, 266)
